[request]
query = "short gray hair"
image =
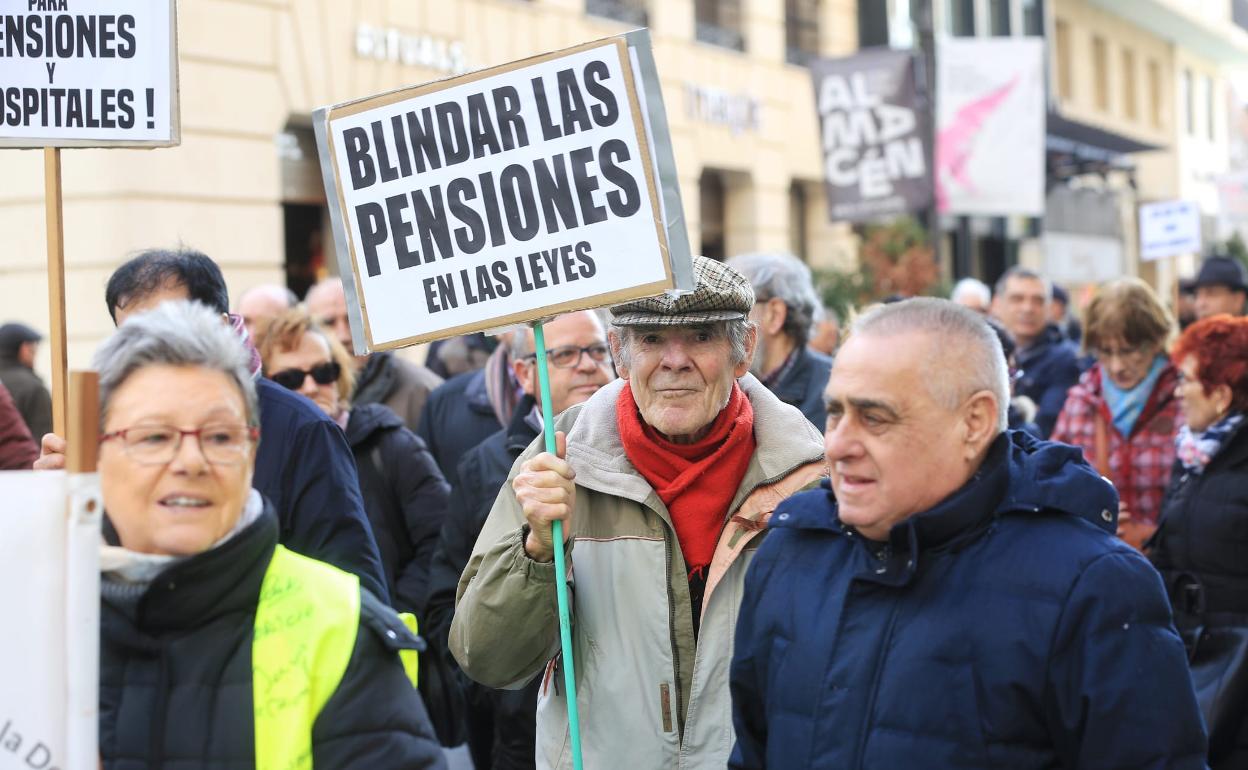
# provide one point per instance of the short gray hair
(175, 334)
(783, 276)
(953, 374)
(972, 287)
(737, 332)
(1026, 274)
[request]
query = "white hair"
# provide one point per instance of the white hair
(176, 333)
(783, 276)
(967, 359)
(972, 287)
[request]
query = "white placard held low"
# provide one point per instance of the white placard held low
(1168, 229)
(88, 73)
(498, 197)
(50, 592)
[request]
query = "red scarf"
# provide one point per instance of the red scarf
(695, 481)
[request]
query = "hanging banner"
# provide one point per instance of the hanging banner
(503, 196)
(50, 590)
(872, 128)
(88, 74)
(990, 126)
(1168, 229)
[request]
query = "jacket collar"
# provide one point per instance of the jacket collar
(785, 440)
(1019, 476)
(476, 393)
(367, 419)
(376, 379)
(519, 433)
(792, 388)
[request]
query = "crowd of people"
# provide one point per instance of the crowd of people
(1000, 530)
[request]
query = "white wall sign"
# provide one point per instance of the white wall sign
(88, 73)
(1168, 229)
(737, 112)
(499, 197)
(49, 651)
(1072, 259)
(410, 50)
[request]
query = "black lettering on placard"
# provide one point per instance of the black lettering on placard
(125, 31)
(549, 130)
(440, 293)
(554, 191)
(471, 237)
(481, 127)
(587, 268)
(389, 173)
(510, 125)
(360, 162)
(606, 112)
(400, 231)
(372, 222)
(586, 183)
(401, 148)
(517, 193)
(572, 103)
(431, 223)
(424, 140)
(455, 147)
(625, 201)
(492, 215)
(502, 281)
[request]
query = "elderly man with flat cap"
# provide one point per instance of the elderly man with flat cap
(664, 480)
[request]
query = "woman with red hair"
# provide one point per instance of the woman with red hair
(1201, 546)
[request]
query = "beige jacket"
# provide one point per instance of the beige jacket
(649, 696)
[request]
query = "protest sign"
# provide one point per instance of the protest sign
(990, 128)
(872, 126)
(88, 73)
(505, 195)
(1168, 229)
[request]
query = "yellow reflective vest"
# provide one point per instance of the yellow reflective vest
(306, 624)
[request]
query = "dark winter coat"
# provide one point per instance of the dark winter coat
(30, 395)
(457, 417)
(305, 469)
(1049, 367)
(1004, 628)
(405, 497)
(501, 723)
(397, 383)
(803, 384)
(176, 674)
(1201, 549)
(18, 450)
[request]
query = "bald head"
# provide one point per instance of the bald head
(261, 303)
(327, 302)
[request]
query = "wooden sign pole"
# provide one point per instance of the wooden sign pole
(56, 285)
(83, 442)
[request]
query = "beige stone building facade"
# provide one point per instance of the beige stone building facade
(244, 185)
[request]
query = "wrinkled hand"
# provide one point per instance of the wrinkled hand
(546, 494)
(51, 453)
(1133, 533)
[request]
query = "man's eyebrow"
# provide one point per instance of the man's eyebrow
(866, 404)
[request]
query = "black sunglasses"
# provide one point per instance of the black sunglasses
(322, 374)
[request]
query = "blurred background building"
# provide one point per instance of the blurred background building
(1139, 110)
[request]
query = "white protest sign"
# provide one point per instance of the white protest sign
(50, 591)
(499, 197)
(88, 73)
(1168, 229)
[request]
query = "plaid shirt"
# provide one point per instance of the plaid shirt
(1139, 465)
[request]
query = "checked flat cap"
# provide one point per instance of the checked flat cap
(720, 294)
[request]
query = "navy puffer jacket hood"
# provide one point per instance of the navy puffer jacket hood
(1006, 627)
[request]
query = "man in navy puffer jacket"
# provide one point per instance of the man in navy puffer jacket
(961, 601)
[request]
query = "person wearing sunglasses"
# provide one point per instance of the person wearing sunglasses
(220, 648)
(404, 493)
(1123, 411)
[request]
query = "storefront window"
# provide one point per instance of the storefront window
(801, 30)
(712, 203)
(718, 22)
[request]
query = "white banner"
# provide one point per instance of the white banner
(88, 73)
(498, 197)
(49, 649)
(990, 126)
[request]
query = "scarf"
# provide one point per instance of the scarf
(240, 328)
(501, 387)
(1126, 406)
(695, 481)
(1195, 451)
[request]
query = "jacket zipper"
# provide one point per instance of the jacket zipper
(671, 630)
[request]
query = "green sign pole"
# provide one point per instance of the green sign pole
(561, 571)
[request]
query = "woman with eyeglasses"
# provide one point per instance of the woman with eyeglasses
(1201, 547)
(405, 494)
(1123, 412)
(219, 648)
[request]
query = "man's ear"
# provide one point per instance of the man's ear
(751, 342)
(617, 344)
(774, 316)
(980, 422)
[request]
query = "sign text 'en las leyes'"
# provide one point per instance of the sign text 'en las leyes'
(499, 197)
